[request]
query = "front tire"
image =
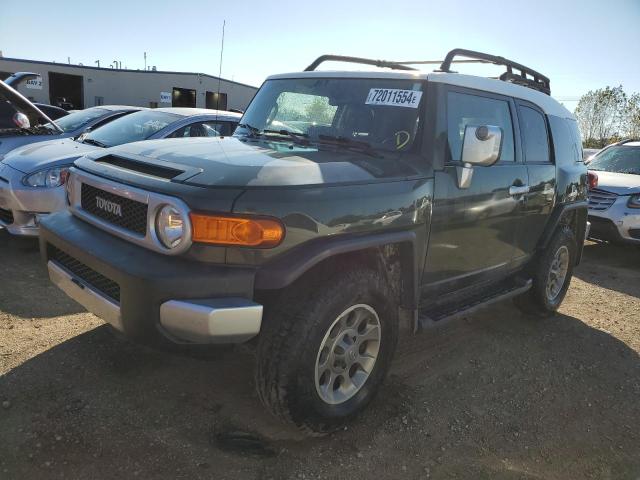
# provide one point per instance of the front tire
(325, 349)
(552, 274)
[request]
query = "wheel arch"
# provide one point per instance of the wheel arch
(573, 215)
(394, 253)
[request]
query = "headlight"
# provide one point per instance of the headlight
(634, 201)
(170, 226)
(48, 178)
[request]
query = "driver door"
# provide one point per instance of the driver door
(473, 230)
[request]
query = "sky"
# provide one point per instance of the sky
(579, 45)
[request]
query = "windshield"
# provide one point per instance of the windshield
(79, 119)
(380, 114)
(622, 159)
(131, 128)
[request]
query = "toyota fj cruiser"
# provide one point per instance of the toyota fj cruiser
(346, 207)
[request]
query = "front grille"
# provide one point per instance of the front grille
(601, 200)
(634, 233)
(6, 216)
(132, 217)
(104, 285)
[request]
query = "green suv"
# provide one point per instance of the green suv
(346, 208)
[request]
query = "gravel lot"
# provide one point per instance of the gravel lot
(494, 395)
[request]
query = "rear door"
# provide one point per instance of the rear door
(540, 199)
(473, 230)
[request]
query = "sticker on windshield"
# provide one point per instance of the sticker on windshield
(394, 97)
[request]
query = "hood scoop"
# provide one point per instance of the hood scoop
(153, 170)
(139, 165)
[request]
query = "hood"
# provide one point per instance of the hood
(618, 183)
(21, 104)
(36, 156)
(231, 161)
(9, 143)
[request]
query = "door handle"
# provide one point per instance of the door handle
(515, 190)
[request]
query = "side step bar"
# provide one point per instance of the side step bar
(425, 320)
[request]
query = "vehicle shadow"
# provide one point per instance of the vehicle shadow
(27, 291)
(459, 401)
(611, 266)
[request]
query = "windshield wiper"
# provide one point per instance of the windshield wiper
(300, 138)
(349, 143)
(255, 132)
(97, 143)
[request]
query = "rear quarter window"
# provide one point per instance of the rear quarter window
(567, 146)
(534, 135)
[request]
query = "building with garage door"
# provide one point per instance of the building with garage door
(79, 86)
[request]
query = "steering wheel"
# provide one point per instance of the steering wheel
(400, 139)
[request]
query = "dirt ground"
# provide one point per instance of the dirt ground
(496, 395)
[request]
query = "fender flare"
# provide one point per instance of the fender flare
(555, 219)
(287, 268)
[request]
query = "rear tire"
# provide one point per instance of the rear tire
(325, 349)
(552, 274)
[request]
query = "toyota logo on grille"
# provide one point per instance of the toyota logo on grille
(108, 206)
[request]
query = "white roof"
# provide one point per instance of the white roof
(187, 112)
(547, 103)
(118, 107)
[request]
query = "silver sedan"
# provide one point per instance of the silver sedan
(32, 177)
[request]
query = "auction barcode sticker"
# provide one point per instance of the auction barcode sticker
(394, 97)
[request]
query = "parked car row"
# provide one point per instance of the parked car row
(34, 164)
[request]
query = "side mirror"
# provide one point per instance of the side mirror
(481, 146)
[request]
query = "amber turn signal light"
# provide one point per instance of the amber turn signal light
(247, 232)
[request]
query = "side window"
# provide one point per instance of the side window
(464, 109)
(572, 125)
(566, 140)
(534, 134)
(219, 129)
(204, 129)
(178, 133)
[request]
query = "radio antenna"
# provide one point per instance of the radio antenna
(224, 22)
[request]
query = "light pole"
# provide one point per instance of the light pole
(98, 62)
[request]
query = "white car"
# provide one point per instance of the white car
(614, 193)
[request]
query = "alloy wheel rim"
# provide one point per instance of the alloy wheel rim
(557, 273)
(347, 354)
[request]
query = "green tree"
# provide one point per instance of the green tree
(601, 115)
(631, 120)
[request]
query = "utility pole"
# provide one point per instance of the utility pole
(145, 60)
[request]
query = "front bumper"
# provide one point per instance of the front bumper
(618, 223)
(22, 208)
(148, 296)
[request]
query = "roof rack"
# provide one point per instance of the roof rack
(538, 82)
(365, 61)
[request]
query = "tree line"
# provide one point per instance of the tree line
(608, 115)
